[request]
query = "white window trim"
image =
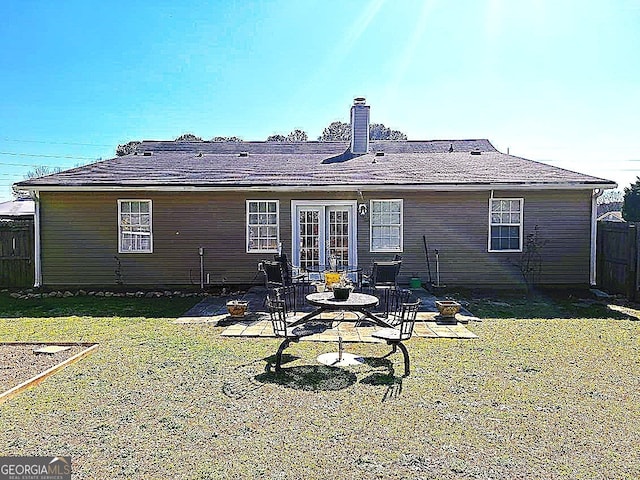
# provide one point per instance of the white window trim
(246, 226)
(519, 225)
(120, 200)
(295, 228)
(386, 250)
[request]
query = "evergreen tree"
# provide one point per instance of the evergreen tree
(631, 203)
(226, 139)
(297, 136)
(276, 138)
(188, 137)
(127, 148)
(335, 132)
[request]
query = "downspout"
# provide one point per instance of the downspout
(35, 195)
(594, 234)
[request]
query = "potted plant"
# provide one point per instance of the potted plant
(342, 289)
(448, 309)
(237, 308)
(331, 279)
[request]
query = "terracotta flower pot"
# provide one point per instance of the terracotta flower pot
(237, 308)
(448, 308)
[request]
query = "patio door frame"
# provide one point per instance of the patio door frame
(323, 206)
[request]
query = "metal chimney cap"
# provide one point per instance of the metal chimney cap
(359, 101)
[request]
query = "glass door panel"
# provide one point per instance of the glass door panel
(309, 232)
(337, 241)
(321, 230)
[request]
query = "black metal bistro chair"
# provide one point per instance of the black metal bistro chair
(403, 332)
(275, 278)
(384, 278)
(287, 268)
(299, 280)
(399, 297)
(278, 312)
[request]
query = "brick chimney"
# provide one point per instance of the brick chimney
(359, 126)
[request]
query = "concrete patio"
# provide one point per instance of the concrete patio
(256, 322)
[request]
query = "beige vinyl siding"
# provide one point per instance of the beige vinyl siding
(80, 236)
(457, 224)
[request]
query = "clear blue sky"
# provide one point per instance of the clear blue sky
(551, 80)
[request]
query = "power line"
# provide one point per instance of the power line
(27, 165)
(56, 143)
(45, 155)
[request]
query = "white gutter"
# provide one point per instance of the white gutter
(37, 248)
(323, 188)
(594, 234)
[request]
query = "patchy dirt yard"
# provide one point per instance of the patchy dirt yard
(19, 363)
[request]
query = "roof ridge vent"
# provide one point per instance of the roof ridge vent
(243, 154)
(476, 152)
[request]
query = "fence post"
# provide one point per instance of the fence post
(599, 255)
(632, 262)
(636, 276)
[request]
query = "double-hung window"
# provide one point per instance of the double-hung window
(263, 233)
(505, 224)
(134, 226)
(386, 225)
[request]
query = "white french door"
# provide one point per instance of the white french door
(322, 229)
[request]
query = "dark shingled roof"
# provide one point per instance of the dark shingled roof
(299, 164)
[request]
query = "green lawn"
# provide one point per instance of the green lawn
(548, 390)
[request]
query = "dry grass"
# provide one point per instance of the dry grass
(531, 398)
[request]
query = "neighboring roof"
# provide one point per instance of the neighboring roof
(614, 216)
(421, 164)
(17, 208)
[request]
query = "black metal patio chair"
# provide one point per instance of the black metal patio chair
(399, 297)
(278, 312)
(275, 278)
(384, 279)
(395, 336)
(299, 280)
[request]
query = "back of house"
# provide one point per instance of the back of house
(185, 213)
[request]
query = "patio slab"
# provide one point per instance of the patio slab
(425, 326)
(213, 311)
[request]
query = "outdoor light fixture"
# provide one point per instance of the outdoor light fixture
(362, 206)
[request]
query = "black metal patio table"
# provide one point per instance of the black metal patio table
(357, 302)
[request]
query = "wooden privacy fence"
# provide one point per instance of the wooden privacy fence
(16, 253)
(618, 258)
